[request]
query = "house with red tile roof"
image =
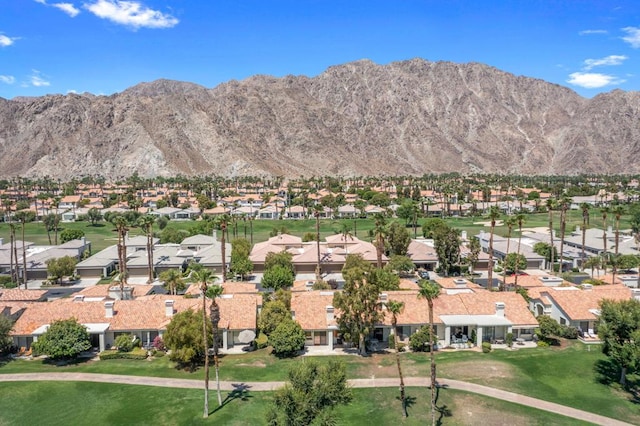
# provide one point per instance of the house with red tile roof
(577, 306)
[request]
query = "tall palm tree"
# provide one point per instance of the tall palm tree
(395, 308)
(604, 211)
(430, 291)
(380, 232)
(13, 248)
(222, 222)
(204, 276)
(551, 204)
(520, 218)
(24, 216)
(213, 292)
(494, 214)
(617, 211)
(565, 203)
(146, 223)
(585, 222)
(511, 221)
(316, 214)
(122, 226)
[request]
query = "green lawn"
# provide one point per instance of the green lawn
(571, 375)
(104, 234)
(64, 403)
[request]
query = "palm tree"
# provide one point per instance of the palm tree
(222, 222)
(213, 293)
(172, 279)
(24, 216)
(379, 232)
(396, 308)
(520, 218)
(551, 204)
(593, 262)
(494, 214)
(121, 225)
(618, 211)
(510, 222)
(565, 203)
(430, 291)
(146, 223)
(585, 221)
(604, 211)
(316, 214)
(204, 276)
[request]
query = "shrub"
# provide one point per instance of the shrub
(158, 343)
(419, 341)
(474, 336)
(392, 341)
(262, 341)
(137, 353)
(287, 339)
(125, 342)
(543, 344)
(486, 347)
(509, 339)
(569, 332)
(159, 354)
(401, 347)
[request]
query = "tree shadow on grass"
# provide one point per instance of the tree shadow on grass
(409, 401)
(442, 410)
(608, 374)
(240, 392)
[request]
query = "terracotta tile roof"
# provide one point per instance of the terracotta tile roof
(20, 295)
(102, 290)
(145, 313)
(450, 283)
(529, 281)
(310, 309)
(579, 304)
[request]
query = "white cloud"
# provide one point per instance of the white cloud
(67, 8)
(36, 79)
(593, 80)
(606, 61)
(589, 32)
(6, 41)
(7, 79)
(130, 13)
(632, 37)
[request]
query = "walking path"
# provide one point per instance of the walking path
(356, 383)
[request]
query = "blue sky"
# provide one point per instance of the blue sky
(105, 46)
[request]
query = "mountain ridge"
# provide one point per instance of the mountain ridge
(359, 118)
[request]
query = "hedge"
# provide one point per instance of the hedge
(137, 353)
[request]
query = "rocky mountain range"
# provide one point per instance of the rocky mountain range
(410, 117)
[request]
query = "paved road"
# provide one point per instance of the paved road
(356, 383)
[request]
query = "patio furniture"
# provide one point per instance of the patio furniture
(499, 341)
(520, 341)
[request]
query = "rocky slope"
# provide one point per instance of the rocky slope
(410, 117)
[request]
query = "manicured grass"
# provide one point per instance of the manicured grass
(570, 376)
(104, 234)
(64, 403)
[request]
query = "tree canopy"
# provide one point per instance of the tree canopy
(184, 337)
(287, 339)
(310, 394)
(64, 339)
(6, 325)
(619, 329)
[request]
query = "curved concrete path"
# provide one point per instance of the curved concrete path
(356, 383)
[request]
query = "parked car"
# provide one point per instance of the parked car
(424, 275)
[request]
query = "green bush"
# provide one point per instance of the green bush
(136, 353)
(509, 339)
(125, 342)
(262, 341)
(392, 341)
(543, 344)
(419, 341)
(159, 354)
(287, 339)
(486, 347)
(569, 332)
(5, 281)
(402, 347)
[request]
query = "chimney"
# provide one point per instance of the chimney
(460, 282)
(635, 293)
(384, 297)
(500, 309)
(609, 229)
(108, 309)
(329, 310)
(168, 308)
(78, 298)
(84, 241)
(587, 287)
(463, 236)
